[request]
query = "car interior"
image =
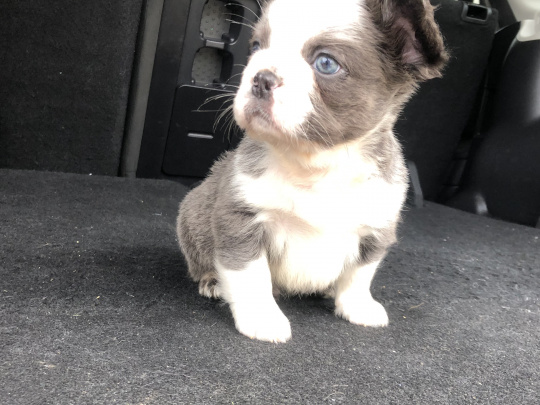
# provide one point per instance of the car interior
(112, 110)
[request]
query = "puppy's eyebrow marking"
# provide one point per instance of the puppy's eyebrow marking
(262, 32)
(326, 40)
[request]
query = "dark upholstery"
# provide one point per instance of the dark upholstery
(65, 71)
(433, 121)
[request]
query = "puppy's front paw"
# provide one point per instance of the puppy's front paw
(266, 322)
(366, 312)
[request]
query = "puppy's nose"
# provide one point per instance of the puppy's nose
(264, 83)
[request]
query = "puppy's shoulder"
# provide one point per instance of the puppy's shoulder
(248, 160)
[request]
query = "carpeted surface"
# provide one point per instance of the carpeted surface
(95, 307)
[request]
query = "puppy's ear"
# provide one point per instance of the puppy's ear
(412, 37)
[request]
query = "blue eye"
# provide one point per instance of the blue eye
(326, 65)
(255, 46)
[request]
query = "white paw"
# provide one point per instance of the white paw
(262, 321)
(366, 312)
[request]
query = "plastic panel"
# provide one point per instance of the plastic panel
(208, 62)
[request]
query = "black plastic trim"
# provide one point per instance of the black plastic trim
(179, 41)
(163, 87)
(475, 13)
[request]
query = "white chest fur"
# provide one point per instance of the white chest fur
(315, 222)
(308, 261)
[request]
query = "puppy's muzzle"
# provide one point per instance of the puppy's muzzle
(264, 83)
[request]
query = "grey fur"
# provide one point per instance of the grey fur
(384, 57)
(373, 247)
(253, 157)
(214, 223)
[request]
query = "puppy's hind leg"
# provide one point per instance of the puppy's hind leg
(209, 286)
(196, 241)
(206, 276)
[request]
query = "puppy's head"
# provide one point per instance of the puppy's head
(322, 73)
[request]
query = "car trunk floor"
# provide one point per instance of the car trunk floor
(96, 307)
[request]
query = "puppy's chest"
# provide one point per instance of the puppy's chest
(303, 259)
(330, 205)
(313, 231)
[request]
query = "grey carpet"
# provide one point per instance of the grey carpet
(95, 307)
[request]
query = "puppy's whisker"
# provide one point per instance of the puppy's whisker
(218, 96)
(221, 95)
(318, 117)
(240, 23)
(238, 16)
(245, 7)
(225, 109)
(316, 131)
(303, 134)
(230, 106)
(219, 110)
(215, 98)
(230, 126)
(325, 131)
(233, 85)
(221, 115)
(217, 121)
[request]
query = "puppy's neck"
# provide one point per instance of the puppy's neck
(347, 162)
(352, 161)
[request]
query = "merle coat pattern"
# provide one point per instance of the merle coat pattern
(310, 200)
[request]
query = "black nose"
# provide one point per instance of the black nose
(264, 83)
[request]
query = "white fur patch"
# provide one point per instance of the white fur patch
(353, 298)
(316, 220)
(342, 194)
(301, 20)
(291, 100)
(309, 261)
(249, 295)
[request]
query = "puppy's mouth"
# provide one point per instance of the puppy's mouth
(259, 112)
(259, 101)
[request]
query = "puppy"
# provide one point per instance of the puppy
(310, 200)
